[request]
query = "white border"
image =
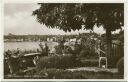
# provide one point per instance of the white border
(64, 1)
(126, 40)
(2, 2)
(1, 38)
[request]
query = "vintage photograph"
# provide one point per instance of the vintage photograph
(63, 41)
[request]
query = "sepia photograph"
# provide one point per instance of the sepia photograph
(63, 41)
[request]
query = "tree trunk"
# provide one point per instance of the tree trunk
(109, 46)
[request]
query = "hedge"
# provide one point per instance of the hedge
(59, 62)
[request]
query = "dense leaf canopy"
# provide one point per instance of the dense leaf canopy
(74, 16)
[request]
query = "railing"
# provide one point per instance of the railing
(117, 49)
(102, 56)
(116, 54)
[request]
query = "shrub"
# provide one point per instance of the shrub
(6, 68)
(120, 66)
(67, 50)
(90, 63)
(60, 62)
(84, 53)
(59, 48)
(88, 54)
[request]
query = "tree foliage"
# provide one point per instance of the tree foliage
(74, 16)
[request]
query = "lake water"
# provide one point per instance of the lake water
(26, 45)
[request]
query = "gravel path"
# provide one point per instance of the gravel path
(95, 69)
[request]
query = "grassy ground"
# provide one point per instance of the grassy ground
(77, 73)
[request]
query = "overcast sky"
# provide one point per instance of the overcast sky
(19, 20)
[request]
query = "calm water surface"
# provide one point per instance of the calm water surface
(26, 45)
